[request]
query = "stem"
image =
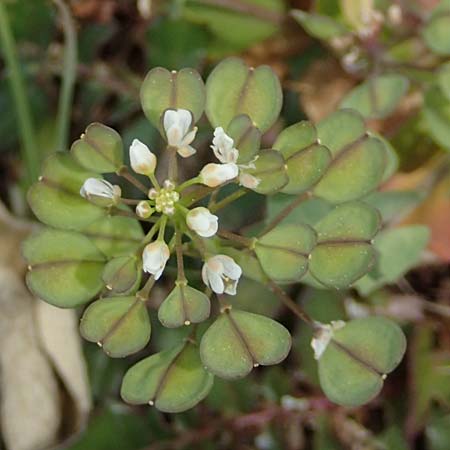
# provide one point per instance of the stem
(69, 75)
(129, 201)
(188, 183)
(213, 197)
(285, 212)
(143, 293)
(162, 228)
(154, 181)
(179, 252)
(296, 309)
(200, 245)
(149, 236)
(227, 200)
(16, 82)
(245, 241)
(121, 212)
(172, 173)
(125, 173)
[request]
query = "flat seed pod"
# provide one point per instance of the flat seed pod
(173, 380)
(377, 97)
(122, 275)
(238, 341)
(233, 88)
(99, 149)
(183, 306)
(55, 199)
(305, 158)
(270, 169)
(344, 251)
(436, 112)
(356, 361)
(115, 235)
(319, 26)
(247, 138)
(359, 160)
(250, 266)
(436, 32)
(283, 252)
(65, 267)
(120, 325)
(163, 90)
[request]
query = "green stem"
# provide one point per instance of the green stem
(188, 183)
(25, 121)
(245, 241)
(179, 252)
(162, 228)
(227, 200)
(68, 75)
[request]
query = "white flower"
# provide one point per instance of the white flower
(323, 335)
(177, 125)
(100, 191)
(223, 147)
(144, 210)
(214, 175)
(155, 257)
(202, 222)
(142, 160)
(248, 181)
(221, 274)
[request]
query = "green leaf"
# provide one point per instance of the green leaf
(344, 251)
(377, 97)
(99, 149)
(306, 160)
(355, 362)
(163, 90)
(223, 21)
(65, 267)
(436, 32)
(359, 160)
(122, 275)
(444, 79)
(399, 250)
(183, 306)
(271, 172)
(120, 325)
(55, 199)
(436, 112)
(247, 138)
(319, 26)
(173, 380)
(283, 252)
(238, 341)
(233, 88)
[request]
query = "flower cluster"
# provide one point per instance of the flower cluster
(220, 272)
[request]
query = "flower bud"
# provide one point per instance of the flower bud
(142, 160)
(155, 257)
(202, 222)
(100, 192)
(221, 274)
(214, 175)
(144, 210)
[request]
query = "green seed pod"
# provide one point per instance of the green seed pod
(436, 32)
(99, 149)
(233, 89)
(247, 138)
(238, 341)
(306, 159)
(122, 275)
(120, 325)
(355, 363)
(183, 306)
(173, 380)
(283, 252)
(58, 260)
(162, 90)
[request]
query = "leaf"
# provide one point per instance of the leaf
(122, 275)
(359, 160)
(183, 306)
(305, 158)
(238, 341)
(319, 26)
(271, 172)
(399, 250)
(162, 90)
(120, 325)
(436, 114)
(99, 149)
(444, 79)
(173, 380)
(233, 88)
(344, 252)
(355, 362)
(65, 267)
(436, 32)
(55, 199)
(284, 251)
(247, 138)
(377, 97)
